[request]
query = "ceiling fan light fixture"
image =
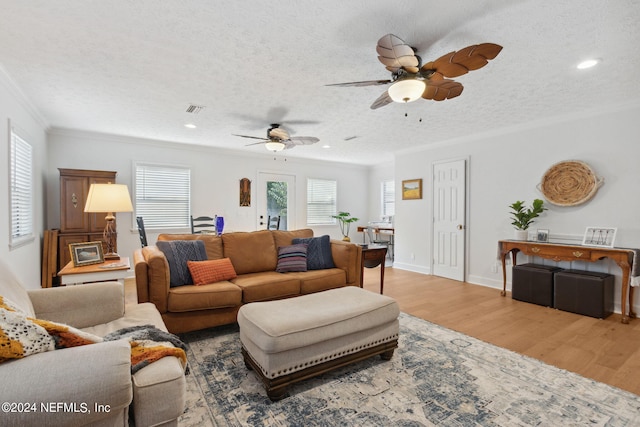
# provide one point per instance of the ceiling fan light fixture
(274, 146)
(407, 90)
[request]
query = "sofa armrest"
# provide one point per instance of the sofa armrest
(141, 271)
(80, 377)
(158, 279)
(80, 306)
(348, 257)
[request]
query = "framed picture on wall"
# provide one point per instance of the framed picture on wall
(412, 189)
(599, 236)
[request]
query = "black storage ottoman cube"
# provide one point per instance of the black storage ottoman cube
(584, 292)
(533, 283)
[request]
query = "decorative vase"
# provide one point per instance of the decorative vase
(219, 225)
(521, 235)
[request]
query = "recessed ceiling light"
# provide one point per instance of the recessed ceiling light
(588, 64)
(326, 146)
(190, 126)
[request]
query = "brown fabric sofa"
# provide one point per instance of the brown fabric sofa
(254, 256)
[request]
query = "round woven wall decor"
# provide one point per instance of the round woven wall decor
(569, 183)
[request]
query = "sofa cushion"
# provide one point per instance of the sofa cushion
(12, 289)
(21, 335)
(212, 243)
(321, 280)
(267, 286)
(318, 252)
(211, 271)
(178, 252)
(251, 252)
(213, 295)
(292, 258)
(285, 237)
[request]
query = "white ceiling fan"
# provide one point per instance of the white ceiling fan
(278, 139)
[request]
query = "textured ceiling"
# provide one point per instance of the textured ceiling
(132, 67)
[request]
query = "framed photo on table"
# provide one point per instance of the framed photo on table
(542, 235)
(86, 253)
(412, 189)
(599, 236)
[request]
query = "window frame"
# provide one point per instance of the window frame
(21, 187)
(312, 204)
(384, 192)
(151, 215)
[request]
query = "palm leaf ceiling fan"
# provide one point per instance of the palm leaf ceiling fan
(412, 81)
(278, 139)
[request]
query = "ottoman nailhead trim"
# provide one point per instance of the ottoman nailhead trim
(324, 358)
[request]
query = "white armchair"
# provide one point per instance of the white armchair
(91, 384)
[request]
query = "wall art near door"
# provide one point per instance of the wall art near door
(245, 192)
(599, 236)
(412, 189)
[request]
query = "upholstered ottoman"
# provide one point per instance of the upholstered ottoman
(293, 339)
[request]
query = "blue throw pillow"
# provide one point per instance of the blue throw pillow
(292, 258)
(318, 252)
(178, 252)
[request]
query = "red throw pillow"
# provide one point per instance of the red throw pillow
(211, 271)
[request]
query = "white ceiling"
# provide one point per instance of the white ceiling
(132, 67)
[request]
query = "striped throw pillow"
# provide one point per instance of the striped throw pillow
(292, 258)
(211, 271)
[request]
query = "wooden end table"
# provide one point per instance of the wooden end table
(373, 256)
(115, 270)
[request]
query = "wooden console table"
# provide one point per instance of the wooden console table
(562, 252)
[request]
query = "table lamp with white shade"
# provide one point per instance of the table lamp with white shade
(110, 198)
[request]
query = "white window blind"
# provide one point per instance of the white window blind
(388, 198)
(321, 201)
(163, 196)
(21, 182)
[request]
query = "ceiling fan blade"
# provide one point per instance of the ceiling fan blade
(302, 140)
(439, 90)
(257, 143)
(247, 136)
(455, 64)
(394, 53)
(382, 100)
(363, 83)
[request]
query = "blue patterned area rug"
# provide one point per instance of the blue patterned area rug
(437, 377)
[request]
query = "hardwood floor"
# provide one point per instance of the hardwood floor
(604, 350)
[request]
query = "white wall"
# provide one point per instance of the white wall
(15, 110)
(506, 166)
(215, 179)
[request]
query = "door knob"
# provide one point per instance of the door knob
(460, 226)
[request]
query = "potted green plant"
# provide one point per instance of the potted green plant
(523, 216)
(345, 219)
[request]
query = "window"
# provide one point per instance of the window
(321, 201)
(163, 196)
(21, 182)
(388, 198)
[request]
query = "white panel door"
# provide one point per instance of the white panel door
(275, 197)
(449, 194)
